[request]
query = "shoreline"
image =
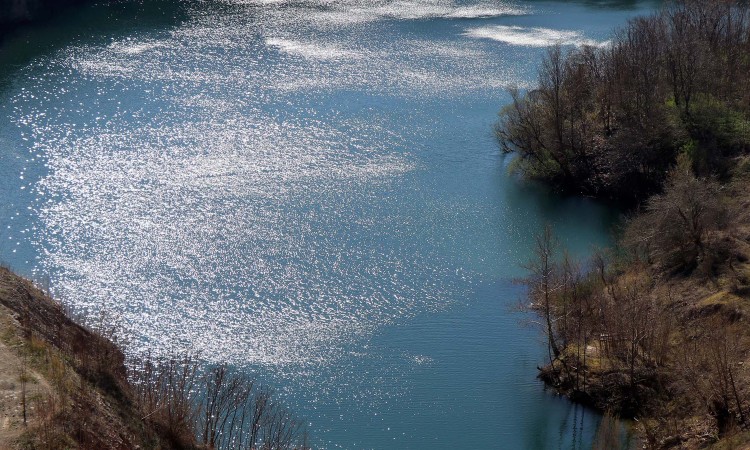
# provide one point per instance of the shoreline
(654, 328)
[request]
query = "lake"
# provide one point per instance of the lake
(308, 190)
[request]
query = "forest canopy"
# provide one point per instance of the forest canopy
(610, 121)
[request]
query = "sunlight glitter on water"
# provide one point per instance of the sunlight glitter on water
(532, 37)
(197, 213)
(199, 201)
(309, 190)
(349, 12)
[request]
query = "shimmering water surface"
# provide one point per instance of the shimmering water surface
(309, 190)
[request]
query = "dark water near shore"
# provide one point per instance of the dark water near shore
(309, 190)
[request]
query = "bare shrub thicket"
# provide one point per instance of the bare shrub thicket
(619, 338)
(681, 229)
(220, 407)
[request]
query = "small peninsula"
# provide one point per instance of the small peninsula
(654, 329)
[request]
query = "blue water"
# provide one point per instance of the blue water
(308, 190)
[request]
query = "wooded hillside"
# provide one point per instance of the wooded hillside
(610, 121)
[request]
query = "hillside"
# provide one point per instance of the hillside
(610, 121)
(62, 385)
(656, 329)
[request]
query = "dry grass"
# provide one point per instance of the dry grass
(70, 381)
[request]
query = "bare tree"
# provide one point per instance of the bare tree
(676, 230)
(543, 283)
(223, 408)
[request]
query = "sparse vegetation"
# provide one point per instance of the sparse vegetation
(668, 348)
(67, 386)
(221, 408)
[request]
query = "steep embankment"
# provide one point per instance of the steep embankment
(62, 385)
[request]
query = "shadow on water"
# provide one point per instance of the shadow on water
(575, 430)
(570, 215)
(96, 23)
